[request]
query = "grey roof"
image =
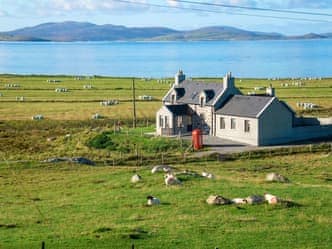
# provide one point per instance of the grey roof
(179, 110)
(245, 106)
(188, 92)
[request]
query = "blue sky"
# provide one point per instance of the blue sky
(22, 13)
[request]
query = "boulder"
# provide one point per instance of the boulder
(275, 177)
(255, 199)
(217, 200)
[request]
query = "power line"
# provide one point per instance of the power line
(255, 8)
(220, 12)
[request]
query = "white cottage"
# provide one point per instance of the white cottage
(192, 104)
(219, 109)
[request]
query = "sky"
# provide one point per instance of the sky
(16, 14)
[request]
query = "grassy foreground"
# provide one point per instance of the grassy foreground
(70, 206)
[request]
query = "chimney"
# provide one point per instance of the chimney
(228, 81)
(179, 77)
(270, 91)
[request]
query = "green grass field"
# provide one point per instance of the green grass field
(74, 206)
(70, 206)
(80, 104)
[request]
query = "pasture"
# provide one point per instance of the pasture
(80, 103)
(69, 205)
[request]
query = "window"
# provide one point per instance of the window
(246, 125)
(201, 101)
(173, 99)
(179, 121)
(166, 122)
(233, 123)
(222, 123)
(161, 121)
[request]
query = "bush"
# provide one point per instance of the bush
(102, 141)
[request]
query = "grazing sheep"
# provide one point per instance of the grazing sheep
(255, 199)
(160, 168)
(207, 175)
(239, 201)
(135, 178)
(271, 199)
(170, 179)
(152, 200)
(217, 200)
(275, 177)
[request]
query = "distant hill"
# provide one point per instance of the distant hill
(84, 31)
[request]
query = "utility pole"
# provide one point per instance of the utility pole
(134, 104)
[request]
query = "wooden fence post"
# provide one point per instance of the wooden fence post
(43, 245)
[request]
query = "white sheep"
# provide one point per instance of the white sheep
(271, 199)
(170, 179)
(207, 175)
(152, 200)
(135, 178)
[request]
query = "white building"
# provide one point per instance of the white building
(219, 109)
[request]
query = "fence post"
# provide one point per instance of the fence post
(132, 246)
(43, 245)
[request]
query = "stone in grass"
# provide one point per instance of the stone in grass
(255, 199)
(82, 160)
(275, 177)
(217, 200)
(161, 168)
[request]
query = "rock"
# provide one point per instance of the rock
(239, 201)
(271, 199)
(255, 199)
(79, 160)
(217, 200)
(160, 168)
(275, 177)
(135, 178)
(56, 160)
(82, 160)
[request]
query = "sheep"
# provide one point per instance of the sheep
(254, 199)
(217, 200)
(170, 179)
(207, 175)
(239, 201)
(275, 177)
(152, 200)
(159, 168)
(271, 199)
(135, 178)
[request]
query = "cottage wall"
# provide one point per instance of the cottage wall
(238, 134)
(165, 115)
(203, 118)
(275, 124)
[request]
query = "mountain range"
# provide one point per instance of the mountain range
(84, 31)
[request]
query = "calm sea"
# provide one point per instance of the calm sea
(299, 58)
